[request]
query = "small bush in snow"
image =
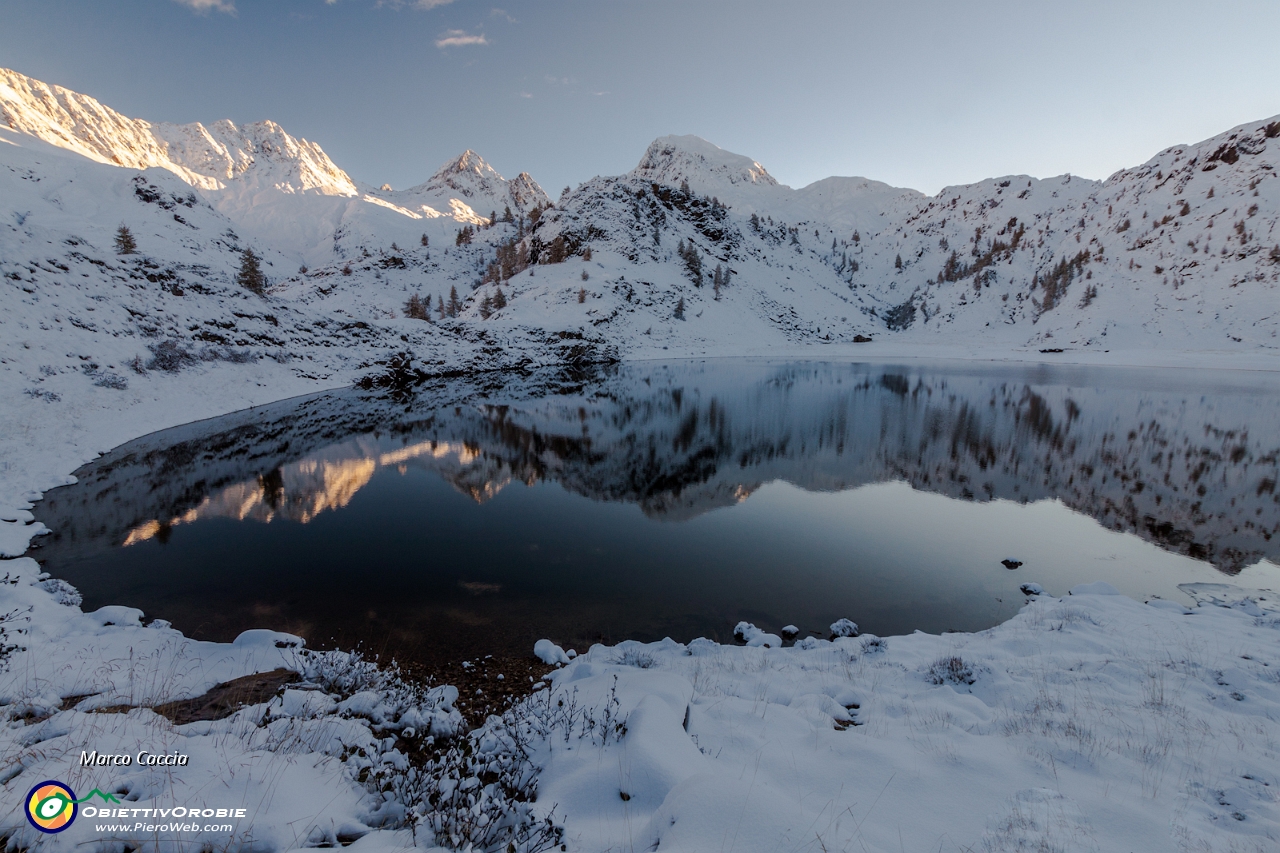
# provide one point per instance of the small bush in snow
(136, 365)
(235, 356)
(170, 356)
(635, 657)
(342, 673)
(475, 793)
(62, 592)
(111, 380)
(874, 645)
(9, 631)
(951, 670)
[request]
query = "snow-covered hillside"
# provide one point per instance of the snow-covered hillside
(1180, 253)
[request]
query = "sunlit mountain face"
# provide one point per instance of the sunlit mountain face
(1161, 456)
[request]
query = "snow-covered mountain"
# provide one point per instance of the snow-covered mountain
(1131, 262)
(209, 158)
(283, 190)
(696, 251)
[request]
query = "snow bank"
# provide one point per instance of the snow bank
(109, 683)
(1085, 723)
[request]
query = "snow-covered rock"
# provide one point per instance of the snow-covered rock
(549, 653)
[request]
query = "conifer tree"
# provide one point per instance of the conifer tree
(417, 308)
(440, 309)
(125, 244)
(486, 307)
(499, 300)
(455, 305)
(720, 278)
(506, 214)
(582, 295)
(897, 262)
(679, 315)
(250, 276)
(425, 241)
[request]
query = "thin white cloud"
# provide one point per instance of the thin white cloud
(412, 4)
(459, 38)
(204, 7)
(526, 94)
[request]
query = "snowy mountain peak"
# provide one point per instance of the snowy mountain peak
(672, 159)
(470, 178)
(467, 161)
(205, 157)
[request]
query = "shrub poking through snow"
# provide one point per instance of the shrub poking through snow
(476, 792)
(844, 628)
(170, 356)
(950, 670)
(874, 645)
(635, 657)
(9, 631)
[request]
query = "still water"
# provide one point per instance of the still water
(674, 499)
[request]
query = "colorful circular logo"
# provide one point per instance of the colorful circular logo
(51, 806)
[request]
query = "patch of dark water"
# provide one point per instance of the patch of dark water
(651, 500)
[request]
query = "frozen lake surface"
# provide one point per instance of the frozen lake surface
(646, 500)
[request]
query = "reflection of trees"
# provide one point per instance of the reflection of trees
(1195, 474)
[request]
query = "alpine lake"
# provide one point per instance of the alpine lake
(474, 516)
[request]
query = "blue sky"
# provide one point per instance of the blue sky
(917, 93)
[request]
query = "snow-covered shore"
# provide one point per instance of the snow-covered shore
(1087, 722)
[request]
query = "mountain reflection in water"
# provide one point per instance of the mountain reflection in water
(1187, 461)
